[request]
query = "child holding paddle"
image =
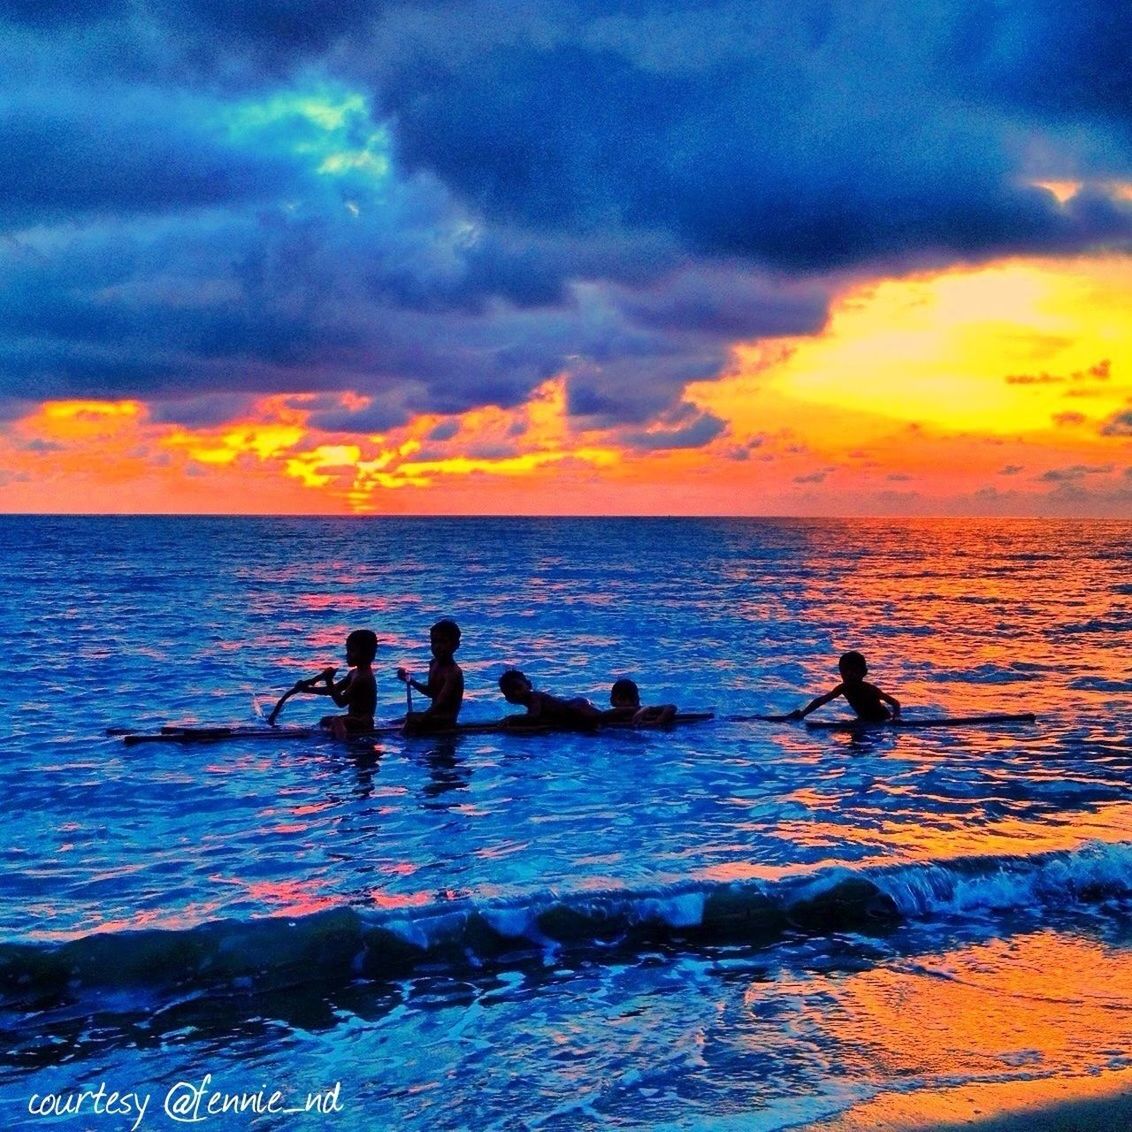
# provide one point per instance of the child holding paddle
(445, 686)
(867, 700)
(356, 691)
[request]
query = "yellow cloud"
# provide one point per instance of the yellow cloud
(949, 393)
(263, 441)
(68, 410)
(938, 351)
(83, 421)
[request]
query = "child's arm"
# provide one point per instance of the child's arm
(624, 714)
(340, 692)
(891, 700)
(326, 676)
(405, 678)
(658, 713)
(817, 703)
(531, 717)
(323, 685)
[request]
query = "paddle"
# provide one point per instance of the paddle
(406, 677)
(299, 686)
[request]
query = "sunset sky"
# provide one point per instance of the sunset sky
(792, 257)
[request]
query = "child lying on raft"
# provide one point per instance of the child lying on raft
(543, 709)
(625, 701)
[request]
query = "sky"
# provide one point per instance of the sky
(762, 257)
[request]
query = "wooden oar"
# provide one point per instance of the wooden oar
(282, 700)
(299, 686)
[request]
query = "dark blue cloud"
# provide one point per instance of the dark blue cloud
(726, 303)
(59, 166)
(444, 431)
(49, 14)
(851, 137)
(1071, 61)
(439, 208)
(201, 412)
(297, 29)
(683, 427)
(226, 41)
(377, 417)
(273, 301)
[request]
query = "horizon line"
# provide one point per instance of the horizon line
(815, 517)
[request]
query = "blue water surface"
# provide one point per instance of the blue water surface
(701, 927)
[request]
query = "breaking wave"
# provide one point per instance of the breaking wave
(459, 936)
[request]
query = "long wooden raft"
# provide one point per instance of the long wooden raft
(174, 733)
(902, 723)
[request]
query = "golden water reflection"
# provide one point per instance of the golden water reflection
(1007, 1011)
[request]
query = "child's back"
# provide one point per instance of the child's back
(543, 708)
(866, 700)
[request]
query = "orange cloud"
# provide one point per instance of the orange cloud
(920, 391)
(970, 391)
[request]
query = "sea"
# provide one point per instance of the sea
(730, 924)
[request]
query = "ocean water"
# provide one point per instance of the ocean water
(727, 925)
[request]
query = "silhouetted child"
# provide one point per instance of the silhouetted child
(445, 686)
(543, 709)
(356, 691)
(625, 699)
(867, 700)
